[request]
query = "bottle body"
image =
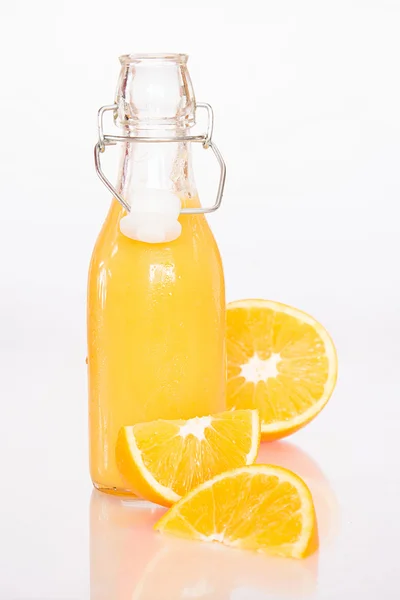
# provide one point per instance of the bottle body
(156, 331)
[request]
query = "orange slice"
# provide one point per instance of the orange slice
(163, 460)
(260, 507)
(280, 361)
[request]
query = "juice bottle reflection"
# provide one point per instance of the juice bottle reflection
(122, 543)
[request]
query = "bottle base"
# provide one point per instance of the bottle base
(114, 491)
(124, 495)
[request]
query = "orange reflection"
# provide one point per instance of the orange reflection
(129, 561)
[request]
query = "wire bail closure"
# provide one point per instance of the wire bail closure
(205, 140)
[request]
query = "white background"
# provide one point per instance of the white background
(307, 97)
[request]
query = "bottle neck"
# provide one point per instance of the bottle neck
(162, 166)
(155, 98)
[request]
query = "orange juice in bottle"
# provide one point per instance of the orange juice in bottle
(156, 301)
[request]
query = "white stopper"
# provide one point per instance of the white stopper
(153, 217)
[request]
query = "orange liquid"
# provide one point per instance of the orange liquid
(156, 331)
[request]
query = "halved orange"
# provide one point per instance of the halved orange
(163, 460)
(259, 507)
(280, 361)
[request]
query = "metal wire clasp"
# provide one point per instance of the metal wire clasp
(206, 140)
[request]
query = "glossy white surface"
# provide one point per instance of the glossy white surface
(60, 540)
(306, 96)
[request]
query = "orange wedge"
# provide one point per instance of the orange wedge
(260, 507)
(163, 460)
(280, 361)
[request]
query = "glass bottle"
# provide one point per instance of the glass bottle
(156, 300)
